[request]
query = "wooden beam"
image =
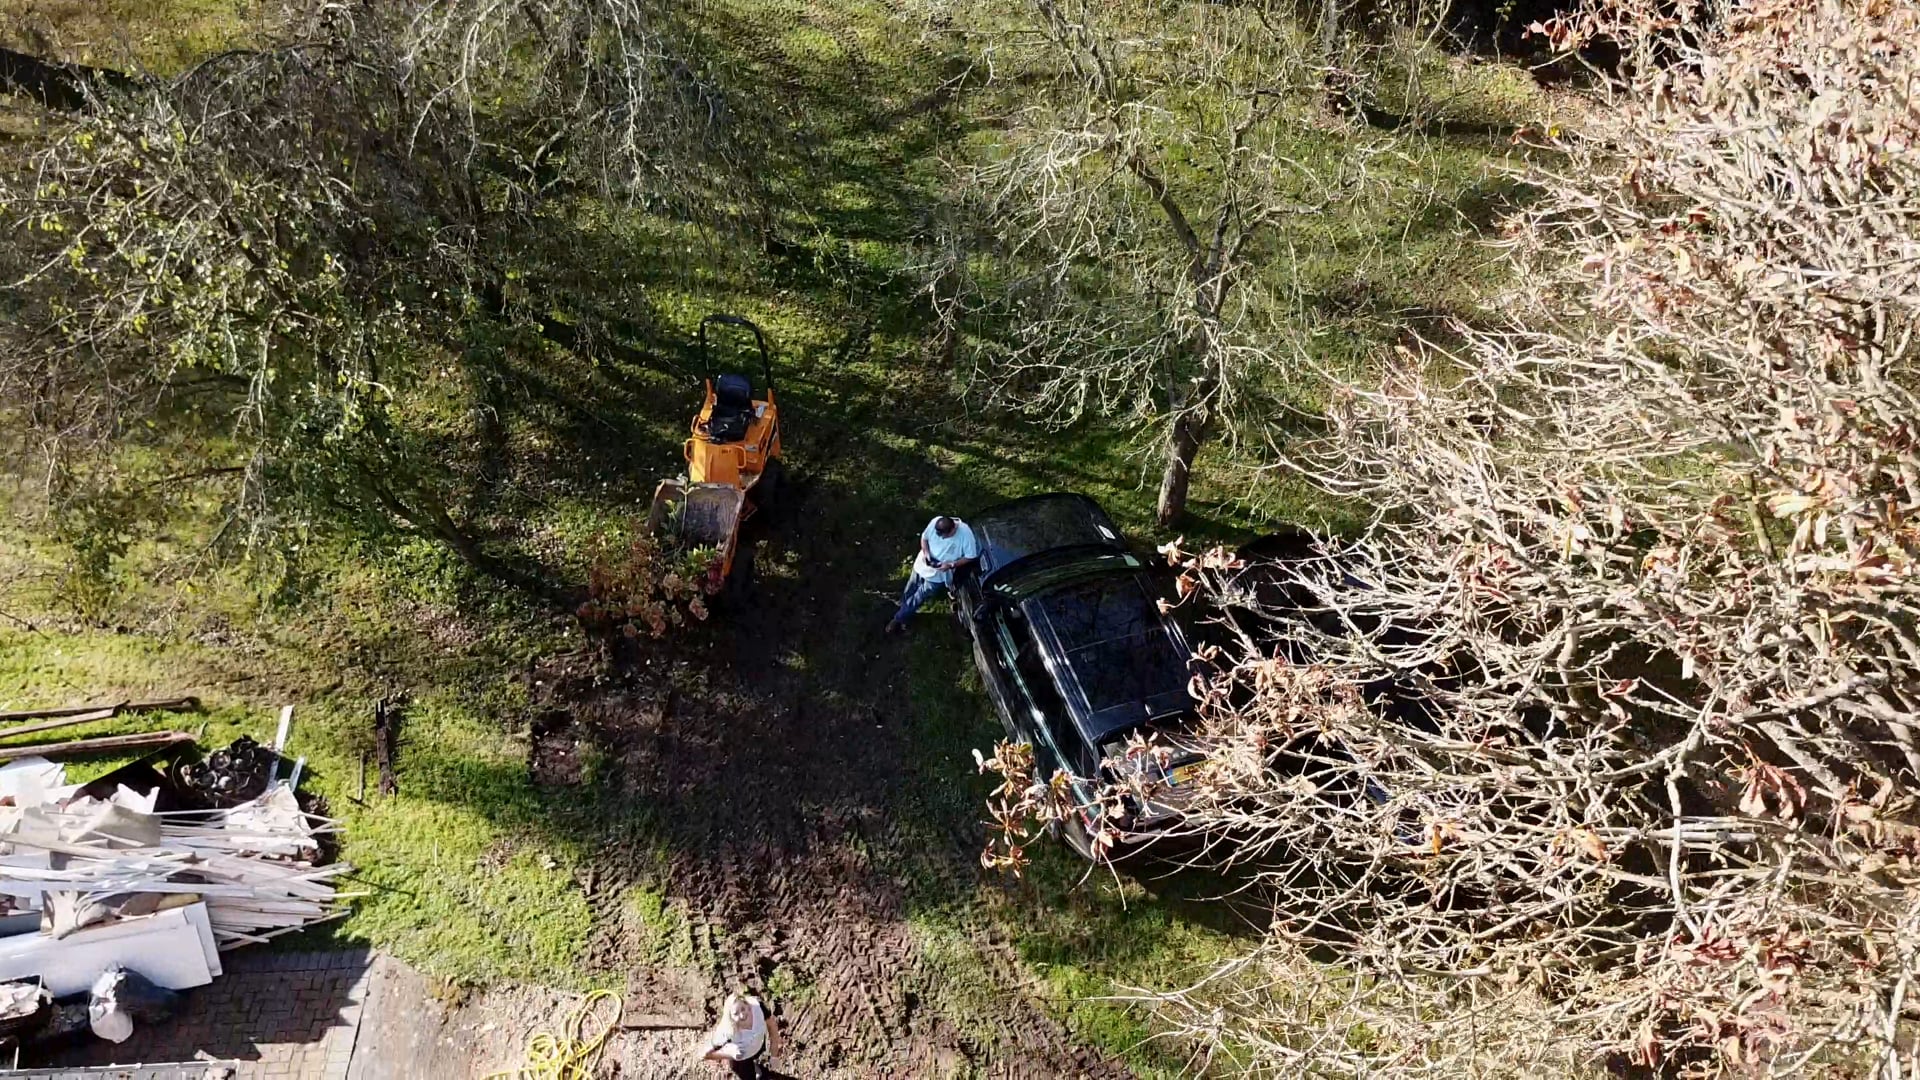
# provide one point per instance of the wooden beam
(179, 704)
(386, 743)
(70, 721)
(106, 744)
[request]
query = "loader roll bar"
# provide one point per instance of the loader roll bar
(706, 357)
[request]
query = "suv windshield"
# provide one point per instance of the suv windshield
(1042, 572)
(1012, 531)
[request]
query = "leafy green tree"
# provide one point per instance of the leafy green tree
(269, 267)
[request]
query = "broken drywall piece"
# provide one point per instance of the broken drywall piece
(28, 781)
(118, 827)
(171, 948)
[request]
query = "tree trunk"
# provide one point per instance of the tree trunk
(1330, 30)
(1336, 83)
(1183, 442)
(462, 542)
(431, 520)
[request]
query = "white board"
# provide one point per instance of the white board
(171, 948)
(202, 921)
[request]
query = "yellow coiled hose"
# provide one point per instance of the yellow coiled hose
(571, 1055)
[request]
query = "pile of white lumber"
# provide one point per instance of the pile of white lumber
(115, 882)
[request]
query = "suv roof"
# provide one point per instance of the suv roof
(1092, 608)
(1013, 531)
(1124, 661)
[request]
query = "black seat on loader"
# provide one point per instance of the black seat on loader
(732, 408)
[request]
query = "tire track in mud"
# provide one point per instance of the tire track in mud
(772, 757)
(772, 868)
(869, 1008)
(775, 785)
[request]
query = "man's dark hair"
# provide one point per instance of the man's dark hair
(943, 525)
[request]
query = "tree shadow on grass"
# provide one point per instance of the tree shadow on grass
(789, 768)
(788, 763)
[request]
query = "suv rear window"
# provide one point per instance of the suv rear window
(1115, 641)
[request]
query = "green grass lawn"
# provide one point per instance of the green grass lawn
(474, 873)
(160, 36)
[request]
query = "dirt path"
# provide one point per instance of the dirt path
(784, 757)
(777, 762)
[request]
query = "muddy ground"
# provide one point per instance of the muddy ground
(777, 762)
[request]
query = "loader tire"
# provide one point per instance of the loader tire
(769, 493)
(736, 593)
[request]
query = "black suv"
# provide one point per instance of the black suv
(1078, 656)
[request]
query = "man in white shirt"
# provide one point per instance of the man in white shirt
(946, 545)
(744, 1038)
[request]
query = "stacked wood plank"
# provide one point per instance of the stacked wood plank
(114, 881)
(269, 846)
(73, 716)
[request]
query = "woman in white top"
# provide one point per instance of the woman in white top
(745, 1038)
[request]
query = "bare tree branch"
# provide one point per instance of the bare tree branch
(1596, 748)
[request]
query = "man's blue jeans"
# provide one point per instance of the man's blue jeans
(919, 591)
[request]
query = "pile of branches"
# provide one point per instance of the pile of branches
(639, 586)
(1598, 748)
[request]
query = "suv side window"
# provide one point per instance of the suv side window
(1053, 710)
(1036, 693)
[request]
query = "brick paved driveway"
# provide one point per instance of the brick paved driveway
(285, 1016)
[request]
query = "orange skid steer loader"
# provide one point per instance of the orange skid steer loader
(733, 468)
